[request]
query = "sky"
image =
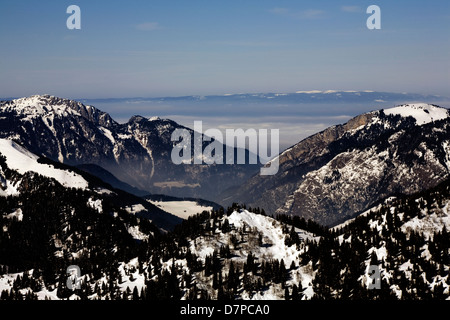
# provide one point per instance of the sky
(162, 48)
(173, 48)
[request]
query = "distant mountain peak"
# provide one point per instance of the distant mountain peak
(42, 106)
(136, 118)
(38, 106)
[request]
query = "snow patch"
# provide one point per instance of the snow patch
(446, 147)
(135, 208)
(309, 92)
(136, 233)
(95, 204)
(16, 214)
(181, 209)
(423, 113)
(108, 134)
(273, 233)
(20, 159)
(430, 223)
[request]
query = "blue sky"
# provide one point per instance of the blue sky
(171, 48)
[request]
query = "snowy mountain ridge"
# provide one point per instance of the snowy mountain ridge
(263, 238)
(344, 169)
(49, 107)
(22, 171)
(137, 152)
(421, 112)
(38, 105)
(244, 240)
(237, 253)
(243, 254)
(20, 159)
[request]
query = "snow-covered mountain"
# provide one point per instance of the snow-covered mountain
(137, 152)
(244, 254)
(241, 238)
(410, 243)
(388, 170)
(342, 170)
(22, 171)
(234, 254)
(421, 112)
(21, 160)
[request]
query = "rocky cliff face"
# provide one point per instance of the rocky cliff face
(137, 152)
(343, 169)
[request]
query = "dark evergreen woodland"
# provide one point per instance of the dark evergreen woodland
(58, 229)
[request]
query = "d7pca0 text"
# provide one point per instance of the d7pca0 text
(241, 309)
(235, 309)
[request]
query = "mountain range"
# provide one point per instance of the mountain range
(337, 173)
(137, 152)
(373, 192)
(328, 177)
(301, 96)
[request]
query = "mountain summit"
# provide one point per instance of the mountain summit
(137, 152)
(422, 113)
(49, 106)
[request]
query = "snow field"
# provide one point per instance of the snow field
(20, 159)
(181, 209)
(423, 113)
